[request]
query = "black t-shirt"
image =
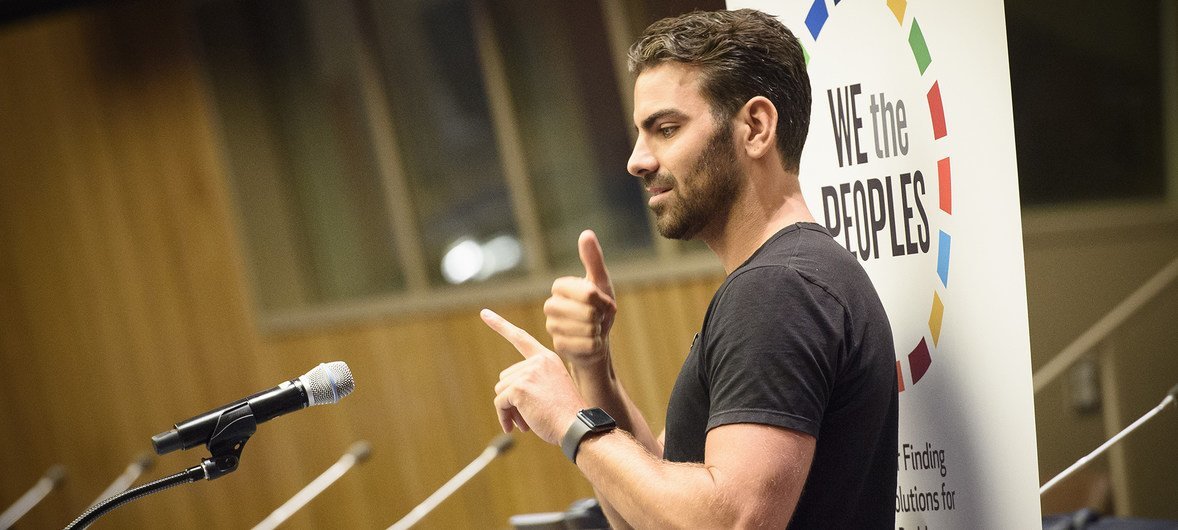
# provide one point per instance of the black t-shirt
(796, 337)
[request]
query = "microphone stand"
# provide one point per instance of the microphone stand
(498, 446)
(357, 454)
(234, 428)
(135, 470)
(52, 477)
(1170, 397)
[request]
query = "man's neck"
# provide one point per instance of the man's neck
(758, 213)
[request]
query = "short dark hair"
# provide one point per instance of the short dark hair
(742, 54)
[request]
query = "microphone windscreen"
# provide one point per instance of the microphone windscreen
(145, 461)
(55, 474)
(360, 450)
(502, 443)
(328, 383)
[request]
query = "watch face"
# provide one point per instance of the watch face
(596, 418)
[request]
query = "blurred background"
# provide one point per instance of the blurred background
(200, 199)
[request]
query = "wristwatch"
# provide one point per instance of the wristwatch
(588, 421)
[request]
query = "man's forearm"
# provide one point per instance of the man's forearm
(600, 387)
(644, 491)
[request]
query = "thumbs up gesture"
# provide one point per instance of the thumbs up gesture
(581, 311)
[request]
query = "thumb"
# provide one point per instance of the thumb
(594, 262)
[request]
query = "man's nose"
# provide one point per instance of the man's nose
(641, 160)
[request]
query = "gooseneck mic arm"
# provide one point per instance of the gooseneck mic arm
(226, 429)
(1170, 398)
(52, 477)
(501, 444)
(191, 474)
(356, 454)
(134, 470)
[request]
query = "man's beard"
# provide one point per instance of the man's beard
(706, 192)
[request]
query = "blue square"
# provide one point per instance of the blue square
(817, 17)
(943, 258)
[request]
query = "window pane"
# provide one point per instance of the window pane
(307, 186)
(565, 89)
(429, 62)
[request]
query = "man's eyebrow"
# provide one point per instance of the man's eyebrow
(657, 115)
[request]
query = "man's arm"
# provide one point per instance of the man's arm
(752, 474)
(580, 314)
(752, 477)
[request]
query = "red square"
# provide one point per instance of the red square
(945, 185)
(937, 110)
(919, 361)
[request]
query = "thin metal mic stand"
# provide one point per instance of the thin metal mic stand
(356, 454)
(52, 477)
(1170, 397)
(134, 470)
(501, 444)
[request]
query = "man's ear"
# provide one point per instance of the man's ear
(757, 122)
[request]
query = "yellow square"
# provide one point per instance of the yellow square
(897, 7)
(934, 319)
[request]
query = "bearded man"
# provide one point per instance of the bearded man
(785, 411)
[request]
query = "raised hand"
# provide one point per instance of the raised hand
(536, 393)
(581, 311)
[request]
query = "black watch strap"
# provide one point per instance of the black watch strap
(588, 421)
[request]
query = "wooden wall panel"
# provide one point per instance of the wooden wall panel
(123, 308)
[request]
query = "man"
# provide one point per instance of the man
(785, 411)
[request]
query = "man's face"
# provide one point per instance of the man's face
(684, 155)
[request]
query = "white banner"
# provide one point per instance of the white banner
(910, 162)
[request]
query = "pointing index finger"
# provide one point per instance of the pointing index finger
(523, 342)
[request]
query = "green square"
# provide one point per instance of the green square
(919, 48)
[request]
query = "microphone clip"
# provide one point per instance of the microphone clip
(234, 428)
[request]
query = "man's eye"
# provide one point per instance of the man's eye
(668, 130)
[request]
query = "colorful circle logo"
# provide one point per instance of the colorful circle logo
(893, 115)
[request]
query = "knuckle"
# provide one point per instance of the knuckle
(550, 305)
(564, 283)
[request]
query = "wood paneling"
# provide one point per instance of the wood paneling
(124, 308)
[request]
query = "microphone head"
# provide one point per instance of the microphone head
(144, 461)
(360, 450)
(328, 383)
(502, 443)
(55, 474)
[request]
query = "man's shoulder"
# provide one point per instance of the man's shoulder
(807, 247)
(803, 252)
(802, 260)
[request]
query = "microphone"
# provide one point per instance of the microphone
(501, 444)
(324, 384)
(134, 470)
(1171, 396)
(52, 477)
(356, 454)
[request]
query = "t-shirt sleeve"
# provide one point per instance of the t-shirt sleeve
(772, 350)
